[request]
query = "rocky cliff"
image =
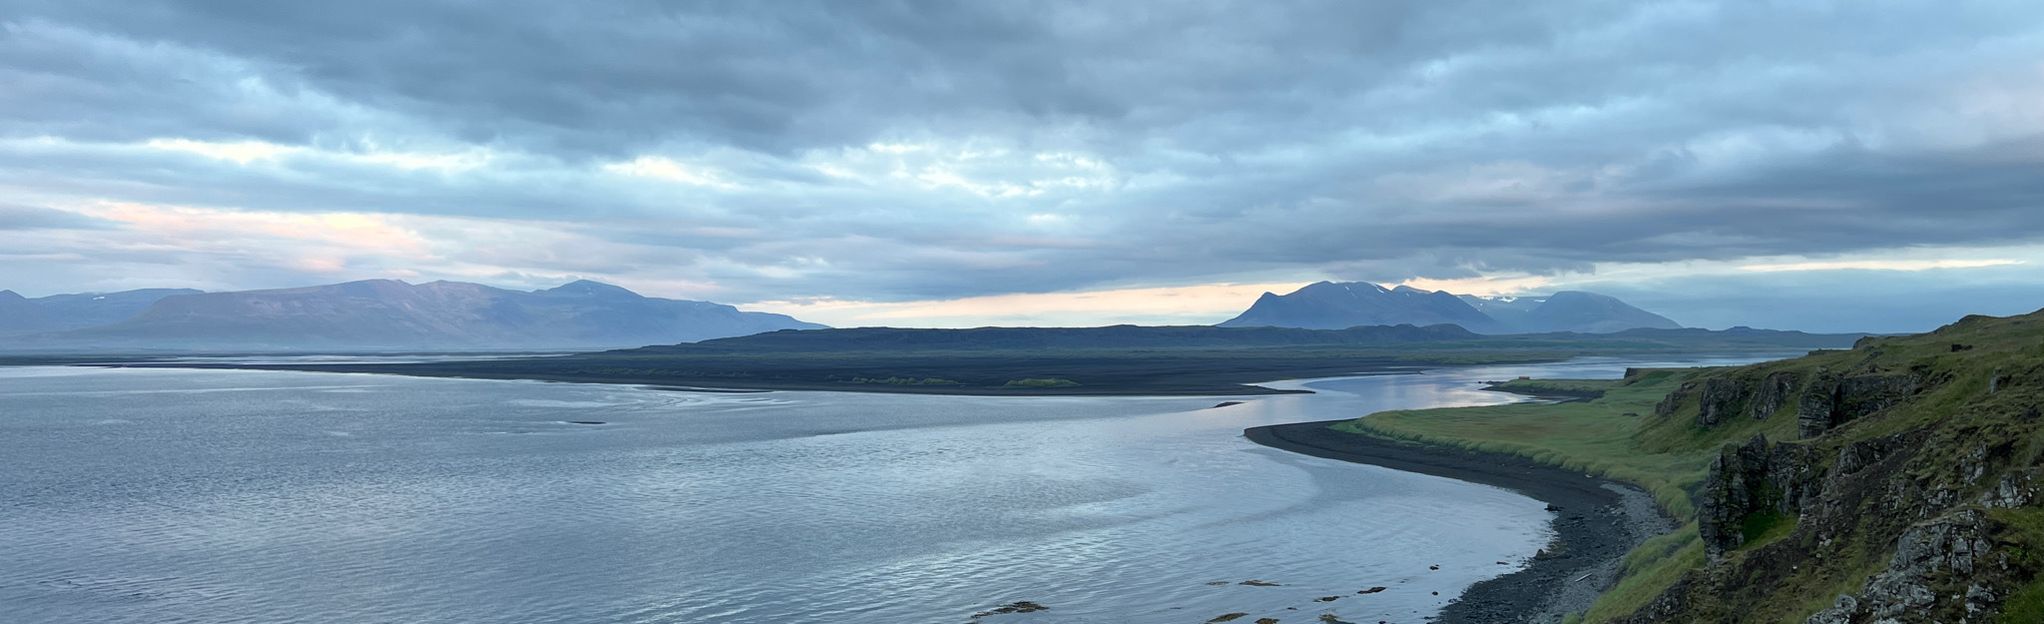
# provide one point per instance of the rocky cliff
(1895, 482)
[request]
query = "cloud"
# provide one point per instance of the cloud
(1198, 304)
(1877, 265)
(14, 217)
(902, 151)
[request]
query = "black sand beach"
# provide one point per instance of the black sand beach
(1597, 521)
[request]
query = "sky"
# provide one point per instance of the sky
(1838, 166)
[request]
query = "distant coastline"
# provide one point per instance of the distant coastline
(1217, 383)
(1099, 361)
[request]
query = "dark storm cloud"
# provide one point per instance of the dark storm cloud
(913, 150)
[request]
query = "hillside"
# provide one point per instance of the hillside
(1568, 310)
(1330, 305)
(19, 314)
(390, 314)
(1893, 482)
(76, 311)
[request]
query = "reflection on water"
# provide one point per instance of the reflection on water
(239, 496)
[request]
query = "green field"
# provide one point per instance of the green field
(1976, 387)
(1572, 388)
(1599, 436)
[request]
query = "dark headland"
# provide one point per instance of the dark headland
(1597, 521)
(1118, 360)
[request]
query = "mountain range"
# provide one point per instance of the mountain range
(1338, 305)
(373, 315)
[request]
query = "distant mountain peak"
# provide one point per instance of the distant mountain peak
(380, 314)
(380, 281)
(79, 310)
(1341, 305)
(1338, 305)
(1569, 311)
(589, 288)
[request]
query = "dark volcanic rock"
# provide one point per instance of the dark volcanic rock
(1814, 407)
(1860, 395)
(1721, 399)
(1729, 493)
(1753, 478)
(1773, 393)
(1023, 606)
(1830, 400)
(1673, 401)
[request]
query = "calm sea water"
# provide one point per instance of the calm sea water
(242, 496)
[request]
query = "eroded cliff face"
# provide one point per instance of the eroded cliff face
(1773, 393)
(1750, 486)
(1948, 569)
(1907, 494)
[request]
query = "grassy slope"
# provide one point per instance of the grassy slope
(1567, 388)
(1594, 436)
(1619, 436)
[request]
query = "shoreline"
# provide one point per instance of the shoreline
(1597, 521)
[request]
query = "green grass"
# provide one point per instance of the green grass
(1565, 387)
(1616, 436)
(1981, 380)
(1764, 527)
(906, 381)
(1650, 570)
(2026, 534)
(1594, 436)
(2026, 606)
(1033, 382)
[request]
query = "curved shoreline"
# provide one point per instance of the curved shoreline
(1597, 521)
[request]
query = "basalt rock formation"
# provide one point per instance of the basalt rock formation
(1905, 489)
(1773, 392)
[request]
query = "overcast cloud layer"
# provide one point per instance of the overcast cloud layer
(897, 151)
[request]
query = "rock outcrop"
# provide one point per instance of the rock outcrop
(2018, 488)
(1937, 574)
(1749, 480)
(1721, 400)
(1913, 485)
(1860, 395)
(1673, 401)
(1831, 400)
(1773, 393)
(1814, 407)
